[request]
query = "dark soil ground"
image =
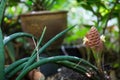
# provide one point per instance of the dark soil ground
(67, 74)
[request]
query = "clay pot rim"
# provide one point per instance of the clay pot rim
(43, 13)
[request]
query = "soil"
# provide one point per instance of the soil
(67, 74)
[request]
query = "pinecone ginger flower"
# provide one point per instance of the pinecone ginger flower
(93, 39)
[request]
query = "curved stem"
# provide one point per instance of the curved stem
(79, 68)
(14, 65)
(16, 35)
(31, 60)
(39, 42)
(17, 69)
(68, 64)
(47, 60)
(2, 57)
(19, 62)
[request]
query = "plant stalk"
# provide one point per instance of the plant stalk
(48, 60)
(2, 56)
(31, 60)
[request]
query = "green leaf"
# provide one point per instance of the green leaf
(31, 60)
(14, 65)
(16, 35)
(2, 57)
(55, 59)
(11, 51)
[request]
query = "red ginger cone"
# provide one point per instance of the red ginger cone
(93, 40)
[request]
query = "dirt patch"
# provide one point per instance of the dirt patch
(67, 74)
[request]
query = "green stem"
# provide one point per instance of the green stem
(2, 57)
(14, 65)
(12, 69)
(82, 69)
(39, 42)
(98, 59)
(31, 60)
(17, 69)
(48, 60)
(19, 62)
(16, 35)
(88, 54)
(2, 8)
(68, 64)
(79, 68)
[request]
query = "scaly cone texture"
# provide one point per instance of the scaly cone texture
(93, 40)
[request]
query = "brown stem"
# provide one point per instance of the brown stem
(109, 16)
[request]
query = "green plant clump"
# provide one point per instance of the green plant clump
(25, 65)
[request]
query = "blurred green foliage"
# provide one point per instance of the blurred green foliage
(103, 14)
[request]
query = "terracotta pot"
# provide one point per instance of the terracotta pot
(55, 22)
